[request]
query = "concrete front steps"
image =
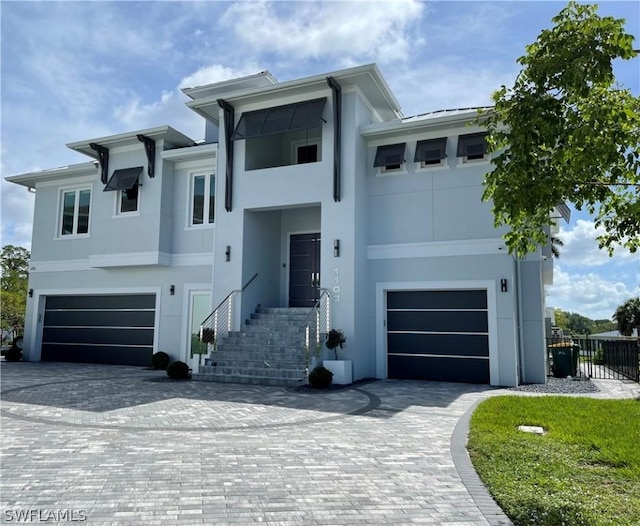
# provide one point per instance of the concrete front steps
(268, 350)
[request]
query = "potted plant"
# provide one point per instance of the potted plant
(342, 369)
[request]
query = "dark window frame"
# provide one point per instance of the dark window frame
(390, 156)
(431, 152)
(472, 146)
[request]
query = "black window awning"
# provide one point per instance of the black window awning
(432, 150)
(297, 116)
(123, 179)
(473, 144)
(390, 155)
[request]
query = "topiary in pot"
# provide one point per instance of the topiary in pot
(178, 371)
(160, 361)
(13, 355)
(320, 377)
(335, 339)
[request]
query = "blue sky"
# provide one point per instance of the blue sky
(79, 70)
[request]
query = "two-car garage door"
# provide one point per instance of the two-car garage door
(113, 329)
(438, 335)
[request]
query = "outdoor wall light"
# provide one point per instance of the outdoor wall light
(172, 290)
(336, 248)
(503, 285)
(227, 253)
(31, 293)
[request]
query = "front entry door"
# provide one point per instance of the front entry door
(304, 269)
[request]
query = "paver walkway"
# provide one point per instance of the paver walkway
(112, 445)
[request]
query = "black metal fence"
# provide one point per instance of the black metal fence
(593, 358)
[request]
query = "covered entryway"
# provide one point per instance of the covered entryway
(438, 335)
(112, 329)
(304, 269)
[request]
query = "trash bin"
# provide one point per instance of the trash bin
(565, 359)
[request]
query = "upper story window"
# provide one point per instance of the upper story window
(282, 135)
(74, 217)
(126, 183)
(431, 153)
(390, 157)
(202, 210)
(472, 147)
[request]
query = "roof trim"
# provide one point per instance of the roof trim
(30, 179)
(166, 133)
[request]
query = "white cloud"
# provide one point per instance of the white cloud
(581, 248)
(216, 73)
(380, 31)
(588, 294)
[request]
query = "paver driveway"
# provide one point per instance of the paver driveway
(109, 444)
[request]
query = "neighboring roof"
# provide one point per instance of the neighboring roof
(367, 79)
(172, 137)
(264, 78)
(614, 334)
(406, 124)
(199, 151)
(74, 170)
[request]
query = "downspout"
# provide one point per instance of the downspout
(228, 146)
(336, 89)
(520, 329)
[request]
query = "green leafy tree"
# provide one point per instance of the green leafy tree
(14, 264)
(627, 317)
(561, 319)
(566, 132)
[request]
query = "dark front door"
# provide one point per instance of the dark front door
(304, 269)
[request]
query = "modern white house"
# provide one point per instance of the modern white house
(308, 198)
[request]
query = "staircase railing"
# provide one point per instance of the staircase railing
(219, 323)
(321, 315)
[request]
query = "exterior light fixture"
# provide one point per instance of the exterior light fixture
(31, 293)
(172, 290)
(336, 248)
(227, 253)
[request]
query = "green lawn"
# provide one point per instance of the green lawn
(584, 471)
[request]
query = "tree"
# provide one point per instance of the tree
(627, 317)
(565, 132)
(14, 264)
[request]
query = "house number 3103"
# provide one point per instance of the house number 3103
(336, 289)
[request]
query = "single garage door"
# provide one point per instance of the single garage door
(438, 335)
(112, 329)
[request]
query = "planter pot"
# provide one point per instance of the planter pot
(342, 371)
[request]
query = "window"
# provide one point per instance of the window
(390, 157)
(125, 182)
(202, 200)
(472, 147)
(431, 152)
(74, 219)
(307, 154)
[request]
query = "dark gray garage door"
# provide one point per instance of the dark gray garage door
(438, 335)
(113, 329)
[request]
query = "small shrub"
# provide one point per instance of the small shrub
(178, 371)
(335, 339)
(13, 355)
(320, 377)
(598, 358)
(160, 361)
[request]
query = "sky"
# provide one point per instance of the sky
(80, 70)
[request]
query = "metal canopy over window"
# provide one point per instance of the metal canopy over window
(298, 116)
(472, 145)
(390, 155)
(124, 179)
(433, 150)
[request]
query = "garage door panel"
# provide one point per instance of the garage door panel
(111, 329)
(437, 299)
(449, 344)
(91, 318)
(112, 301)
(467, 370)
(441, 321)
(125, 355)
(122, 336)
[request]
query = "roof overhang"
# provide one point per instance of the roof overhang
(367, 79)
(171, 137)
(30, 179)
(191, 153)
(445, 118)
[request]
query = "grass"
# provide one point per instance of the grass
(584, 471)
